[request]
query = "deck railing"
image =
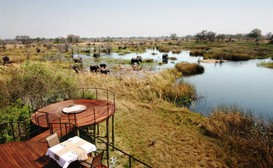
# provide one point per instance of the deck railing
(24, 130)
(18, 131)
(88, 93)
(102, 145)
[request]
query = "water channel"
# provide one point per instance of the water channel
(242, 84)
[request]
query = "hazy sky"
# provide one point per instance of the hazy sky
(125, 18)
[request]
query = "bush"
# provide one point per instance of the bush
(17, 111)
(36, 82)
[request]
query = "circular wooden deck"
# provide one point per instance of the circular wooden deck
(96, 112)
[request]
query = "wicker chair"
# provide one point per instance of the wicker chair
(94, 162)
(52, 140)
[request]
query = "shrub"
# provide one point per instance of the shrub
(16, 111)
(36, 82)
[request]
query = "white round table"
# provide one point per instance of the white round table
(75, 108)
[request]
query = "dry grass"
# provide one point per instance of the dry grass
(248, 140)
(188, 69)
(153, 129)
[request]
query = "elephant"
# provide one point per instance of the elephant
(96, 55)
(5, 60)
(103, 65)
(79, 60)
(137, 60)
(94, 68)
(165, 58)
(104, 71)
(87, 52)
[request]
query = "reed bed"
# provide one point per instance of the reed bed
(266, 64)
(248, 139)
(188, 69)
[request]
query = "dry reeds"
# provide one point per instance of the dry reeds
(188, 69)
(244, 135)
(145, 87)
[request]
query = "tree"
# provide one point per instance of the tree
(205, 35)
(71, 38)
(173, 36)
(211, 36)
(221, 37)
(269, 36)
(24, 39)
(256, 34)
(202, 35)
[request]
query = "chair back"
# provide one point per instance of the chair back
(52, 140)
(97, 160)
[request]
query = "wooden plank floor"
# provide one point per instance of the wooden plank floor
(29, 154)
(97, 111)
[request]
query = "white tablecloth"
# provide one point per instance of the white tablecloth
(70, 150)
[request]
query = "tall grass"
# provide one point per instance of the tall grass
(188, 69)
(246, 137)
(146, 87)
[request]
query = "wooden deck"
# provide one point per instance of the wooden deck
(96, 111)
(30, 154)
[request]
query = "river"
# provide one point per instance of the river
(242, 84)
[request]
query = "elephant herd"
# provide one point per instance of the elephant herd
(138, 59)
(99, 68)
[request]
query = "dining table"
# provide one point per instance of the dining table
(72, 149)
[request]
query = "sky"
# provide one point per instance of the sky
(128, 18)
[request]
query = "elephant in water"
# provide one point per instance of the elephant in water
(165, 58)
(137, 60)
(96, 55)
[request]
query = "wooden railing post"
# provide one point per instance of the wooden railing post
(12, 130)
(107, 137)
(26, 131)
(61, 126)
(130, 161)
(18, 125)
(47, 119)
(113, 131)
(94, 134)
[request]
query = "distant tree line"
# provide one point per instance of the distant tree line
(204, 35)
(255, 35)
